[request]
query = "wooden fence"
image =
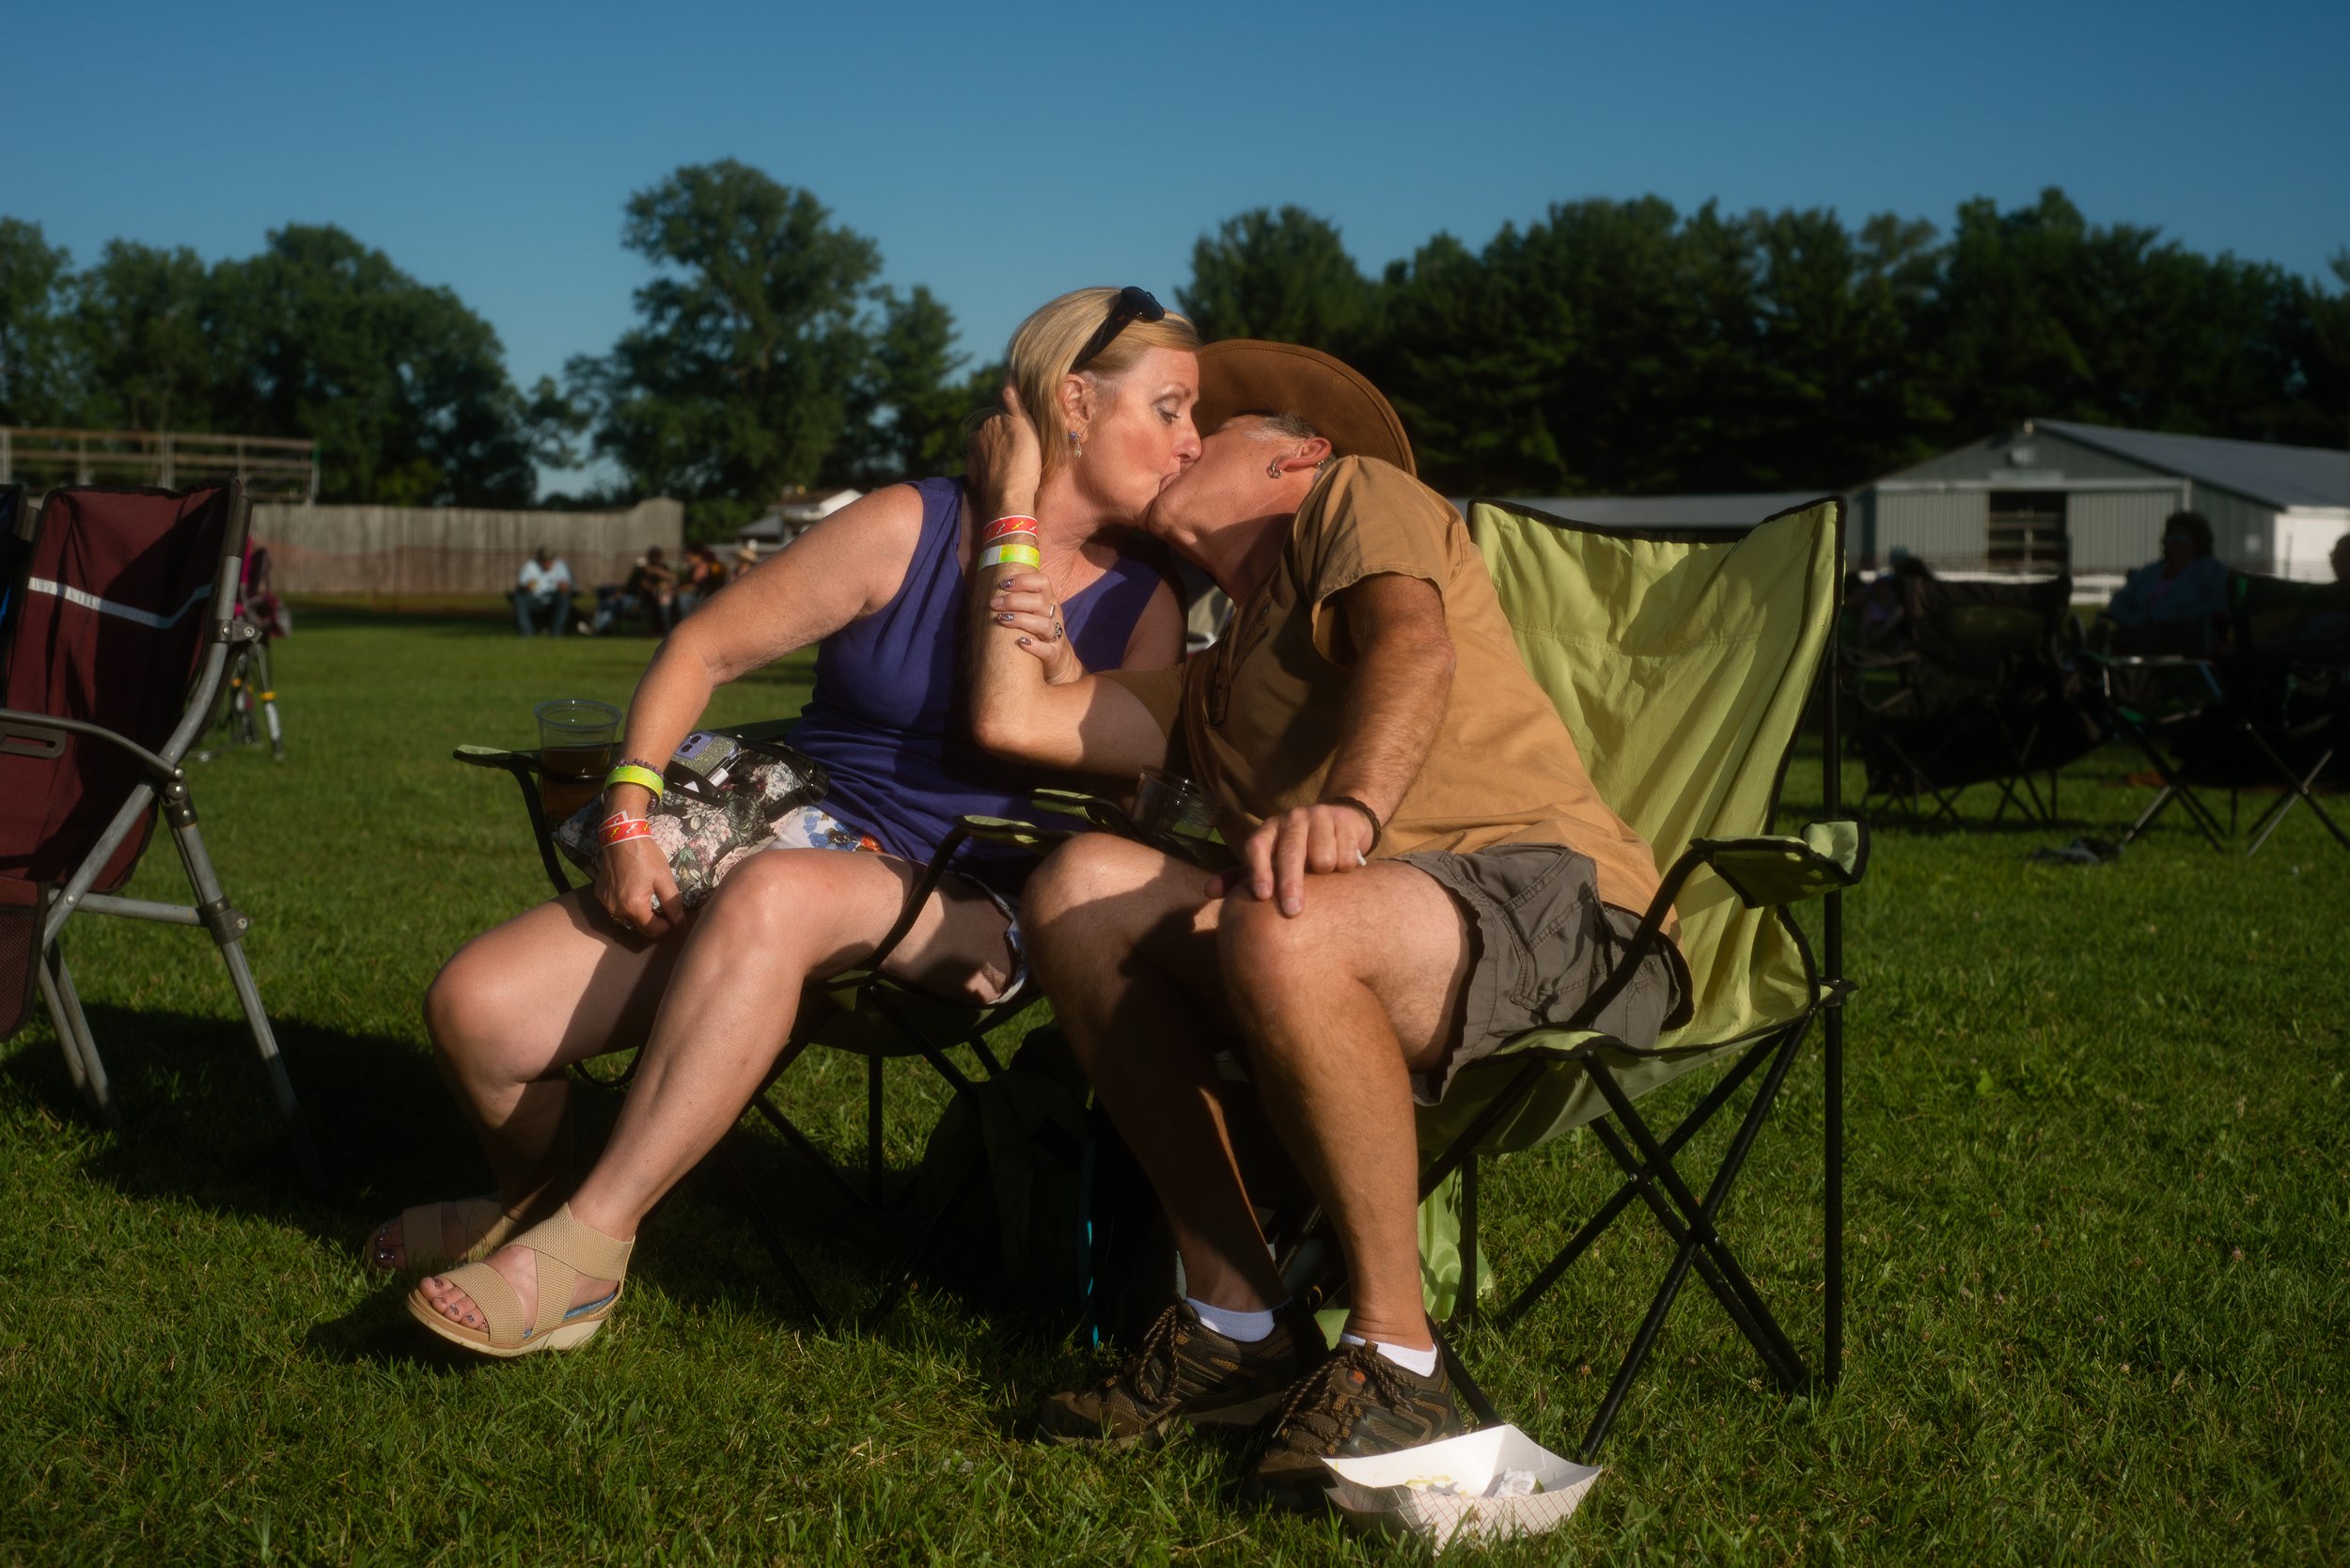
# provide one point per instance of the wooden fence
(415, 551)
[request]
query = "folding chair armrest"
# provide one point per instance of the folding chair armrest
(1104, 814)
(523, 767)
(1004, 830)
(1783, 868)
(994, 830)
(1110, 817)
(39, 735)
(1825, 857)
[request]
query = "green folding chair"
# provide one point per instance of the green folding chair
(1682, 662)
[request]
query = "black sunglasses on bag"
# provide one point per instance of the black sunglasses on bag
(1131, 304)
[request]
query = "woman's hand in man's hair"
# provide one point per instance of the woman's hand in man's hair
(1003, 462)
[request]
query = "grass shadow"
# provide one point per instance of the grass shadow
(200, 1129)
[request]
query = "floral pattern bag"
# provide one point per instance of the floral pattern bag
(725, 799)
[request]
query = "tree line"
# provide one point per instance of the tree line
(1611, 348)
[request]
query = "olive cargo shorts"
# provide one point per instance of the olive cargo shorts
(1544, 943)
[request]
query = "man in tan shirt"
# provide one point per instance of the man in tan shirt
(1425, 870)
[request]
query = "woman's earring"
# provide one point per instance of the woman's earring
(1077, 448)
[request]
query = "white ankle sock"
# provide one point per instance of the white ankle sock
(1422, 1362)
(1238, 1326)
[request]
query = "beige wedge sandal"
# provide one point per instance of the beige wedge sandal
(485, 1219)
(567, 1251)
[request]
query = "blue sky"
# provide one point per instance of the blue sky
(1000, 153)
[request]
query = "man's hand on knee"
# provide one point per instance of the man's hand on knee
(1322, 839)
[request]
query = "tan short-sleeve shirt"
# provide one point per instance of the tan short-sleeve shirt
(1257, 716)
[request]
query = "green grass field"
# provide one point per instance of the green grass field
(2099, 1233)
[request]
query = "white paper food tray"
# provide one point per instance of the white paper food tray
(1391, 1491)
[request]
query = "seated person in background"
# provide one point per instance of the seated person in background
(651, 587)
(2171, 605)
(704, 576)
(1884, 620)
(542, 593)
(2329, 630)
(745, 557)
(879, 588)
(1426, 871)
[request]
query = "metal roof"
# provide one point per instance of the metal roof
(1666, 512)
(2281, 476)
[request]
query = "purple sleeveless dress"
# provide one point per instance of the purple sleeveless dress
(888, 719)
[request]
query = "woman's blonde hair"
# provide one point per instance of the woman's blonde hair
(1046, 346)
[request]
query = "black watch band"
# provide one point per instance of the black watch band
(1378, 828)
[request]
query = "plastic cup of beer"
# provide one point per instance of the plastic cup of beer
(575, 736)
(1167, 802)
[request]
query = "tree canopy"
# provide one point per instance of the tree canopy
(1606, 347)
(317, 337)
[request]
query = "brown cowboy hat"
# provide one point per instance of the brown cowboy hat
(1247, 375)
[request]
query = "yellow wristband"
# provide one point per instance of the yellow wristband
(1011, 555)
(629, 773)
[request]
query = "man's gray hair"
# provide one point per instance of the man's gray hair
(1290, 427)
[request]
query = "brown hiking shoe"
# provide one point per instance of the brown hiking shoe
(1357, 1402)
(1185, 1374)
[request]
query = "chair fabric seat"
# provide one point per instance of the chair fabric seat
(1682, 665)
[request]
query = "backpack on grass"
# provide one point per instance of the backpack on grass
(1051, 1205)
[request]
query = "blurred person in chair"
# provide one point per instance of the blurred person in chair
(542, 593)
(651, 588)
(2176, 605)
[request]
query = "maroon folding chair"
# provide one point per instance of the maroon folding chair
(119, 621)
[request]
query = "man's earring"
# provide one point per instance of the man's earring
(1273, 469)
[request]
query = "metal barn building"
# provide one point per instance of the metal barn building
(2054, 494)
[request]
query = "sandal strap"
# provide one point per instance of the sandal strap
(501, 1309)
(568, 1240)
(567, 1251)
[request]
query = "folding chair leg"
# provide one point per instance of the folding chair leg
(267, 695)
(1472, 1393)
(2300, 791)
(805, 1148)
(265, 1041)
(74, 1036)
(902, 1276)
(1642, 1342)
(1465, 1305)
(769, 1235)
(1700, 1115)
(1778, 1352)
(1730, 1284)
(873, 1127)
(227, 927)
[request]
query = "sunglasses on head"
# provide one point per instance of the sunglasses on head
(1131, 304)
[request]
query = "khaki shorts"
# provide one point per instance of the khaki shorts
(1543, 942)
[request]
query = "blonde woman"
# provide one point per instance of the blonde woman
(878, 587)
